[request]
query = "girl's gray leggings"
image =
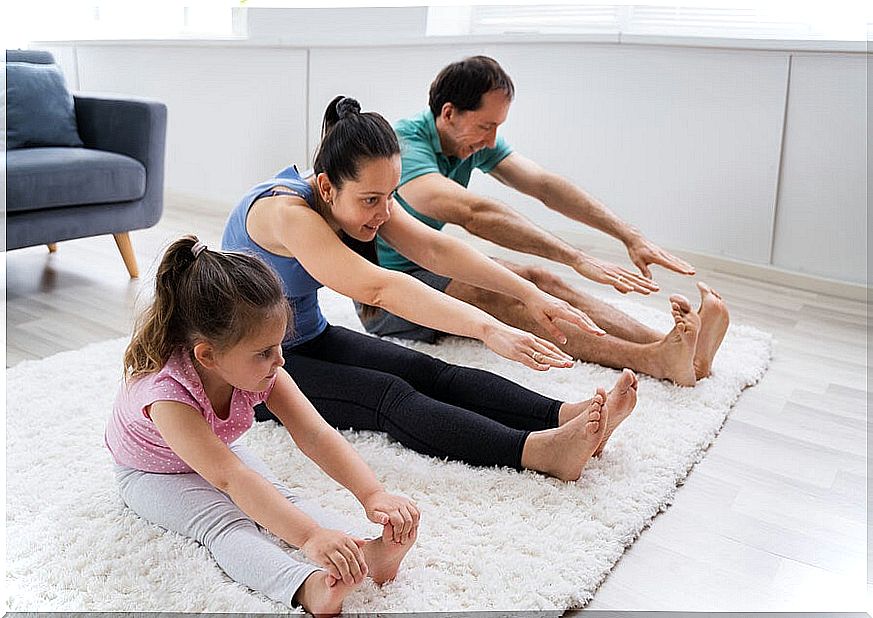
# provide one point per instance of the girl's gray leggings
(189, 505)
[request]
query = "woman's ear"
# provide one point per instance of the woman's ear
(204, 352)
(324, 187)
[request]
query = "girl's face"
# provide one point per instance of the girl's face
(251, 363)
(361, 206)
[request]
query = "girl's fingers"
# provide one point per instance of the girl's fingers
(342, 566)
(359, 560)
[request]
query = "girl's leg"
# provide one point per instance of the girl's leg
(189, 505)
(476, 390)
(383, 556)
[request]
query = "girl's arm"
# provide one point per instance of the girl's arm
(333, 454)
(453, 258)
(190, 437)
(305, 235)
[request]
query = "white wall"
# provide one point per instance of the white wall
(234, 115)
(686, 143)
(821, 224)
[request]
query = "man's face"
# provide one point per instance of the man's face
(464, 133)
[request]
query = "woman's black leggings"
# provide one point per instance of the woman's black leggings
(361, 382)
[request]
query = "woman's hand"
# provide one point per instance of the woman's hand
(399, 515)
(339, 553)
(547, 310)
(523, 347)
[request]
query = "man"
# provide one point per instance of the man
(440, 147)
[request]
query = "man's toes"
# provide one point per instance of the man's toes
(681, 302)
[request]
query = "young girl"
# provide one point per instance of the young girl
(313, 230)
(205, 352)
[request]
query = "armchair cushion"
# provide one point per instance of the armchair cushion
(38, 178)
(39, 108)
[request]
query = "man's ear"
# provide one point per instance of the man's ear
(448, 111)
(204, 352)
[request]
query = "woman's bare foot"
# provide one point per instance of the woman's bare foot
(674, 357)
(564, 451)
(714, 321)
(322, 595)
(383, 556)
(620, 402)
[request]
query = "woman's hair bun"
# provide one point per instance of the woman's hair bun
(346, 107)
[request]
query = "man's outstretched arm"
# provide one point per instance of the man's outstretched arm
(438, 197)
(561, 195)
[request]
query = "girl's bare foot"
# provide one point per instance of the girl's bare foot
(383, 556)
(564, 451)
(714, 320)
(322, 595)
(676, 349)
(620, 402)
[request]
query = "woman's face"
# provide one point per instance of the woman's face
(361, 206)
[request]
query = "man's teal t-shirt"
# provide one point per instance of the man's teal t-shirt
(421, 153)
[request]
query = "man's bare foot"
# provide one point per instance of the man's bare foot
(620, 402)
(383, 556)
(564, 451)
(322, 595)
(674, 354)
(714, 321)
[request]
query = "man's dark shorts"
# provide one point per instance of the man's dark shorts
(380, 322)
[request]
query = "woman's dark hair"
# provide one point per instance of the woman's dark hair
(464, 82)
(201, 294)
(348, 137)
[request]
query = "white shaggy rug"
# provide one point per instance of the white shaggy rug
(491, 539)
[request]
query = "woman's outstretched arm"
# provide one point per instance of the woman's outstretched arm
(307, 237)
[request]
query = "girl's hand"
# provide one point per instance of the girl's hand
(547, 310)
(339, 553)
(399, 515)
(524, 347)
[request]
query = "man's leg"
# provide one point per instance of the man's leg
(615, 322)
(713, 312)
(667, 356)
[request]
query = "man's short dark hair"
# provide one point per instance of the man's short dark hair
(464, 82)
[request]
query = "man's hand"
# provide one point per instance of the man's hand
(399, 515)
(642, 253)
(547, 310)
(620, 278)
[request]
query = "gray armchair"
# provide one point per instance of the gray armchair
(112, 184)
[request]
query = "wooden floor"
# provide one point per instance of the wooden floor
(773, 519)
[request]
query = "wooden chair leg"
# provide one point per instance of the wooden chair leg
(126, 249)
(53, 246)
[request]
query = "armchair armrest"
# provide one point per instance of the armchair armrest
(126, 125)
(131, 126)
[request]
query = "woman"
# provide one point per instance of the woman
(313, 230)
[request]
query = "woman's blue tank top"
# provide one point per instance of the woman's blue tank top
(300, 288)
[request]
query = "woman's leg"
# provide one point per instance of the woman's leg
(350, 397)
(476, 390)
